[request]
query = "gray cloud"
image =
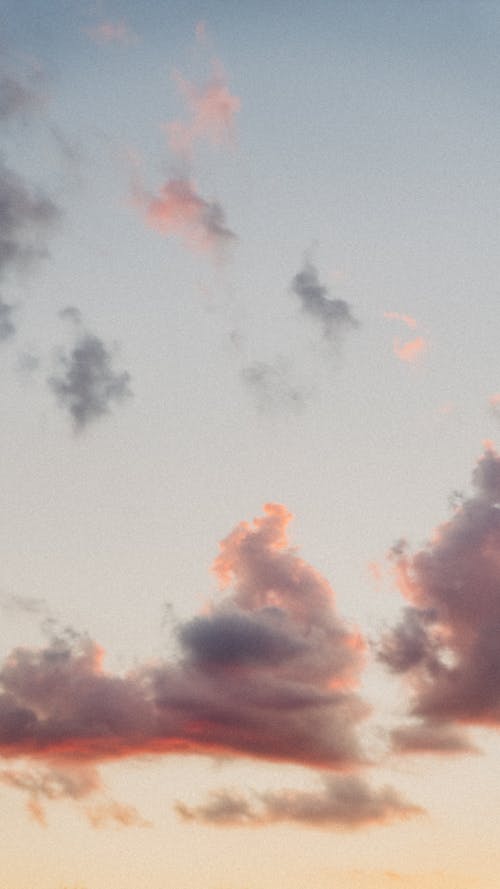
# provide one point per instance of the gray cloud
(271, 386)
(334, 315)
(86, 384)
(7, 328)
(15, 97)
(343, 802)
(25, 216)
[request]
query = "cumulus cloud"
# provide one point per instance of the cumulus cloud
(211, 110)
(269, 672)
(343, 802)
(86, 384)
(271, 386)
(334, 315)
(446, 644)
(179, 210)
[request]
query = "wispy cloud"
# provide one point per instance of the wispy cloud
(7, 327)
(86, 384)
(334, 315)
(271, 386)
(410, 350)
(16, 97)
(211, 111)
(26, 214)
(112, 32)
(446, 644)
(398, 316)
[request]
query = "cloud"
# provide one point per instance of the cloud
(53, 783)
(211, 109)
(270, 672)
(112, 812)
(15, 97)
(446, 644)
(334, 315)
(7, 328)
(112, 32)
(410, 350)
(494, 402)
(86, 384)
(397, 316)
(343, 802)
(179, 210)
(25, 217)
(271, 386)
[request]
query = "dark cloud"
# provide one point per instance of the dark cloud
(334, 315)
(87, 385)
(343, 802)
(271, 386)
(446, 644)
(270, 672)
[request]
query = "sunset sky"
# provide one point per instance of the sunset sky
(250, 402)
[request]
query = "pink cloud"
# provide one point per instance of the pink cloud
(411, 350)
(178, 210)
(211, 110)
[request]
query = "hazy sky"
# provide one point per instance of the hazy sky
(250, 400)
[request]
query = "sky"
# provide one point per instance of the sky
(250, 401)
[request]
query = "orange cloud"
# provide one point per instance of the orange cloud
(211, 110)
(410, 350)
